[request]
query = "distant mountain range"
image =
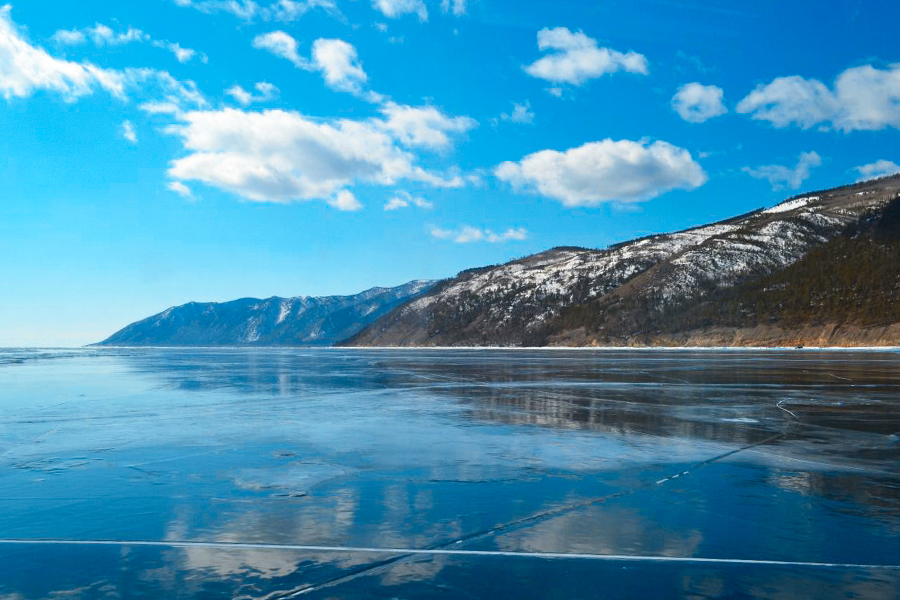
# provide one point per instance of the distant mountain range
(300, 321)
(817, 269)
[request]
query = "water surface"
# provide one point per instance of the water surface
(759, 460)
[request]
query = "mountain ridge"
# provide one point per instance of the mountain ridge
(294, 321)
(525, 302)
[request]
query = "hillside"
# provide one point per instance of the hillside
(844, 292)
(708, 285)
(299, 321)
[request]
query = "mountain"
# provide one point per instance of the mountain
(299, 321)
(710, 285)
(844, 292)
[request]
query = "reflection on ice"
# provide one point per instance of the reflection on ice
(556, 451)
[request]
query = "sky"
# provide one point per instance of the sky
(158, 152)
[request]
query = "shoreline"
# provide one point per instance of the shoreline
(477, 348)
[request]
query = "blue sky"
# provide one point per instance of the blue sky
(163, 151)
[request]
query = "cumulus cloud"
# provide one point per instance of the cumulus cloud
(879, 168)
(339, 64)
(696, 103)
(405, 199)
(423, 126)
(266, 90)
(790, 100)
(281, 156)
(597, 172)
(101, 35)
(467, 234)
(336, 60)
(781, 176)
(128, 132)
(283, 46)
(576, 58)
(521, 113)
(249, 10)
(862, 98)
(346, 201)
(393, 9)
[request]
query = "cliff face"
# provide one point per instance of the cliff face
(713, 285)
(299, 321)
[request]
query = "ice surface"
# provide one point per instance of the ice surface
(678, 454)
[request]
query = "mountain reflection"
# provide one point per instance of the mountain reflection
(752, 456)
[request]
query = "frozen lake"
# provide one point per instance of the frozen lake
(280, 473)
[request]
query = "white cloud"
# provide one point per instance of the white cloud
(862, 98)
(339, 64)
(576, 58)
(393, 9)
(781, 176)
(128, 132)
(69, 37)
(280, 156)
(183, 55)
(510, 234)
(101, 35)
(291, 10)
(405, 199)
(180, 189)
(457, 7)
(697, 103)
(346, 201)
(468, 234)
(598, 172)
(249, 10)
(266, 90)
(396, 203)
(25, 69)
(164, 90)
(282, 45)
(423, 126)
(243, 9)
(521, 113)
(336, 60)
(879, 168)
(790, 100)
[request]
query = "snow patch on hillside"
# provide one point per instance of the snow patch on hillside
(790, 205)
(285, 310)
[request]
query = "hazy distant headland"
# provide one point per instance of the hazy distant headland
(819, 269)
(299, 321)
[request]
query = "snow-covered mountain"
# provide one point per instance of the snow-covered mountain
(530, 301)
(303, 320)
